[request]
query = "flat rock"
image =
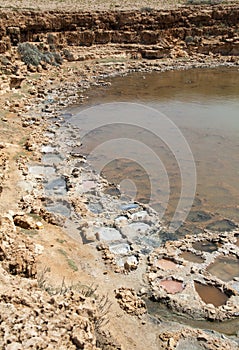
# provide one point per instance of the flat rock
(129, 206)
(41, 170)
(107, 234)
(121, 221)
(140, 215)
(48, 149)
(120, 248)
(135, 229)
(189, 344)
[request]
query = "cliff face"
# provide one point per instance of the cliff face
(204, 29)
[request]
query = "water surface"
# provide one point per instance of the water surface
(225, 267)
(210, 294)
(204, 105)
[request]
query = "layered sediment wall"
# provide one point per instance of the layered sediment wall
(204, 29)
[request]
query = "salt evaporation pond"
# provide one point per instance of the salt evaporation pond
(204, 104)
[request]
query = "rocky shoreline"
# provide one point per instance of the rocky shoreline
(119, 230)
(56, 185)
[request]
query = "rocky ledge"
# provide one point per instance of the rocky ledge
(147, 34)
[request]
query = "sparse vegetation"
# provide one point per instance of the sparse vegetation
(41, 278)
(70, 262)
(146, 9)
(60, 240)
(29, 232)
(31, 55)
(102, 302)
(35, 216)
(63, 252)
(18, 155)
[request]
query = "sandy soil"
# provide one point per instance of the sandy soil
(98, 4)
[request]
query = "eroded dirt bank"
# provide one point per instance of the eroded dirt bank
(93, 46)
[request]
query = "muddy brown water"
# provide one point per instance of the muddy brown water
(161, 312)
(205, 246)
(225, 267)
(210, 294)
(167, 264)
(189, 256)
(171, 286)
(204, 104)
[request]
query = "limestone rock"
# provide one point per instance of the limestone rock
(15, 82)
(130, 302)
(108, 234)
(25, 221)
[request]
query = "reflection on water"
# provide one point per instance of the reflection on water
(189, 256)
(205, 246)
(161, 311)
(225, 267)
(210, 294)
(204, 104)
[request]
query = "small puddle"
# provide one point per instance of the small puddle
(41, 170)
(163, 313)
(172, 286)
(222, 225)
(56, 186)
(225, 267)
(189, 344)
(59, 207)
(119, 248)
(199, 216)
(189, 256)
(166, 264)
(51, 158)
(210, 294)
(205, 246)
(48, 149)
(112, 191)
(95, 208)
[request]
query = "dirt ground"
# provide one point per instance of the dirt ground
(85, 5)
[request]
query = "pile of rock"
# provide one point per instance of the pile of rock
(189, 338)
(32, 318)
(130, 302)
(17, 252)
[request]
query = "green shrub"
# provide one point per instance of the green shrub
(31, 55)
(146, 9)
